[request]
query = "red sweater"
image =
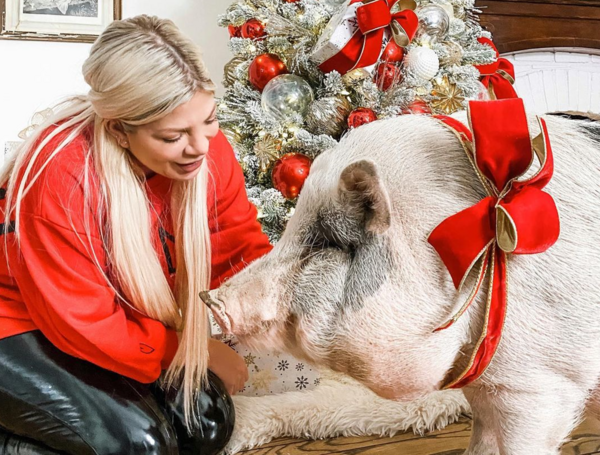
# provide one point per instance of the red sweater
(51, 282)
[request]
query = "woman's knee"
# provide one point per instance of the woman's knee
(216, 419)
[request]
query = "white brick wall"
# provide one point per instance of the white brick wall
(558, 79)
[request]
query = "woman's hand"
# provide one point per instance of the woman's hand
(228, 365)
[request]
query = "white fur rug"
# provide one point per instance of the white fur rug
(339, 406)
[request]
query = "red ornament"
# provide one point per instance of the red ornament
(361, 116)
(392, 53)
(387, 74)
(253, 29)
(289, 174)
(235, 31)
(292, 1)
(264, 68)
(418, 106)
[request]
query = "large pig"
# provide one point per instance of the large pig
(355, 286)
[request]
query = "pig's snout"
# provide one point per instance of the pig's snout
(218, 309)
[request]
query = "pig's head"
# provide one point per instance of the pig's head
(353, 273)
(332, 256)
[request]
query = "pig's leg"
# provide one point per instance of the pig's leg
(536, 422)
(483, 436)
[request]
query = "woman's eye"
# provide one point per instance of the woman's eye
(210, 121)
(171, 140)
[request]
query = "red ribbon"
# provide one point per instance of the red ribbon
(499, 76)
(516, 217)
(364, 47)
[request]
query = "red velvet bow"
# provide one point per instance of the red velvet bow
(364, 48)
(499, 76)
(516, 217)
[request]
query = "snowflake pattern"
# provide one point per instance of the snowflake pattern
(249, 359)
(301, 383)
(317, 381)
(272, 372)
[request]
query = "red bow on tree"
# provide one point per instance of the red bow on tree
(499, 76)
(373, 18)
(516, 217)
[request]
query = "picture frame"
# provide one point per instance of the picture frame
(57, 20)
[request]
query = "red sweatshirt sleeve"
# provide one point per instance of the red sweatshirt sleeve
(236, 235)
(66, 294)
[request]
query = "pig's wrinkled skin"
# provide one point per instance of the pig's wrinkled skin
(354, 285)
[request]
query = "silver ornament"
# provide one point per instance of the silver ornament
(434, 23)
(328, 115)
(285, 95)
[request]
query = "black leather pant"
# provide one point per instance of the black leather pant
(52, 403)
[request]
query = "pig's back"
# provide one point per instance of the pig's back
(554, 303)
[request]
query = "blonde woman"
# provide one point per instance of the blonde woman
(115, 215)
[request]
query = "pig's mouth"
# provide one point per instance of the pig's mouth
(218, 311)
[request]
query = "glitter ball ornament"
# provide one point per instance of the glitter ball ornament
(328, 115)
(454, 54)
(285, 95)
(434, 23)
(387, 74)
(253, 29)
(235, 31)
(422, 62)
(230, 71)
(290, 173)
(392, 53)
(264, 68)
(361, 116)
(448, 98)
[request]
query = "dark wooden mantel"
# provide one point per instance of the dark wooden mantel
(530, 24)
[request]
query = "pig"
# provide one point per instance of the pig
(354, 285)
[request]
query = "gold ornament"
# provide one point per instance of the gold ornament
(267, 150)
(355, 77)
(454, 54)
(233, 135)
(328, 115)
(448, 98)
(230, 72)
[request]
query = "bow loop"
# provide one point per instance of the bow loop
(462, 238)
(501, 140)
(498, 76)
(372, 16)
(527, 222)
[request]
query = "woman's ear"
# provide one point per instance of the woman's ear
(115, 129)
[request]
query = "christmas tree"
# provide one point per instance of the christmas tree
(305, 72)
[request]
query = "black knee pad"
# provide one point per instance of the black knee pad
(216, 415)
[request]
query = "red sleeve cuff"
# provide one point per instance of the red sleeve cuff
(172, 343)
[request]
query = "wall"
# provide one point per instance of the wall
(558, 79)
(34, 75)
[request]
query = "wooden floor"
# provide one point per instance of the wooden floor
(453, 440)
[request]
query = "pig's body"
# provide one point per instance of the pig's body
(354, 284)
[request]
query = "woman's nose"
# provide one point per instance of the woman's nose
(198, 146)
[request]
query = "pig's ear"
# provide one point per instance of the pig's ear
(362, 189)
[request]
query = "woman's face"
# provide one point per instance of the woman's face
(176, 145)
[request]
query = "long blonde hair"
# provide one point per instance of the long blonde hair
(139, 70)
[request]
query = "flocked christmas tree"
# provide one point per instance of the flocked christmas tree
(304, 72)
